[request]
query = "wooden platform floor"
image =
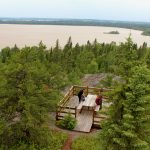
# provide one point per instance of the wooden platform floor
(84, 121)
(85, 118)
(73, 102)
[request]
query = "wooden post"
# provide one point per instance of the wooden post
(57, 112)
(101, 90)
(56, 115)
(93, 116)
(76, 112)
(73, 90)
(87, 90)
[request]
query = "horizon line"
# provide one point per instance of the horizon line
(89, 19)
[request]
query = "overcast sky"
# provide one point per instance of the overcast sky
(128, 10)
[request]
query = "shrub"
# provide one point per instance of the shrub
(108, 81)
(56, 142)
(86, 143)
(68, 122)
(92, 67)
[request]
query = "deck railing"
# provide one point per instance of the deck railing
(62, 108)
(65, 110)
(75, 89)
(97, 119)
(89, 90)
(66, 97)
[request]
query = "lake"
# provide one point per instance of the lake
(32, 34)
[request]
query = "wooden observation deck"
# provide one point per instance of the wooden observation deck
(86, 112)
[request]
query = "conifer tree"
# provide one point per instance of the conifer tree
(24, 102)
(127, 127)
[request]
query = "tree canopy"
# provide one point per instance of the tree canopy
(31, 80)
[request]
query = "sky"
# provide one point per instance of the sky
(125, 10)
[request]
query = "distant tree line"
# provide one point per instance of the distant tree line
(143, 26)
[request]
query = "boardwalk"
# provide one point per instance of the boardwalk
(85, 118)
(84, 121)
(73, 102)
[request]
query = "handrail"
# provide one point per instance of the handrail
(106, 89)
(64, 110)
(97, 117)
(74, 89)
(66, 97)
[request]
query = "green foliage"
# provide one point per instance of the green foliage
(92, 67)
(74, 77)
(146, 32)
(128, 125)
(57, 140)
(148, 59)
(31, 80)
(86, 142)
(26, 98)
(107, 82)
(68, 122)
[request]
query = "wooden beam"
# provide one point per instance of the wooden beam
(96, 122)
(65, 112)
(76, 112)
(87, 90)
(66, 107)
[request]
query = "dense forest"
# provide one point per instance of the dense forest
(143, 26)
(31, 80)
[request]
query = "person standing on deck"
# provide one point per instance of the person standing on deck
(80, 95)
(98, 100)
